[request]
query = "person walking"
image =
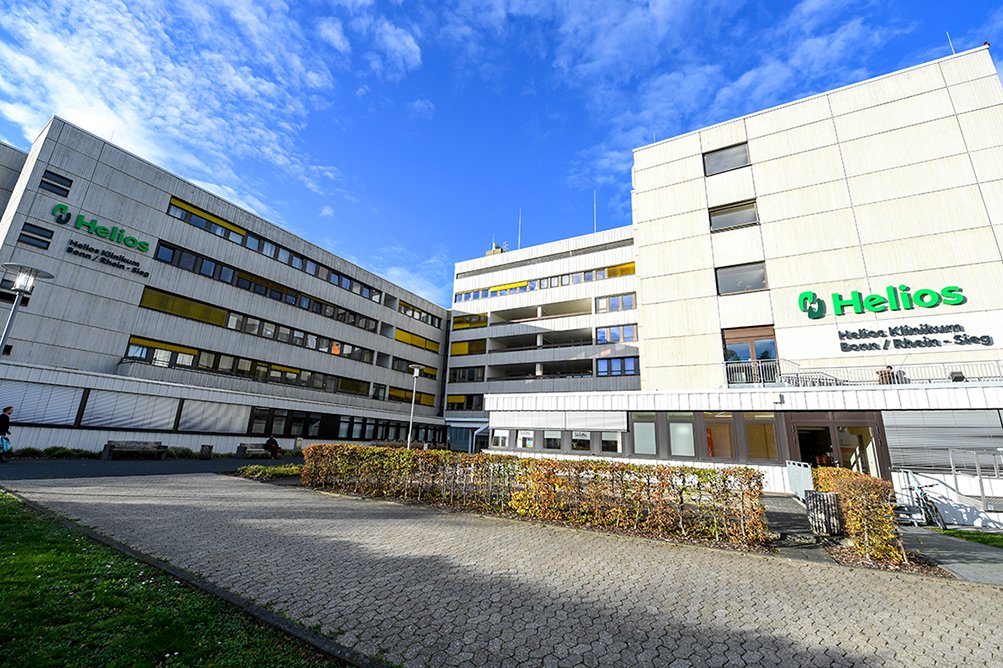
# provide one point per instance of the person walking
(272, 446)
(5, 446)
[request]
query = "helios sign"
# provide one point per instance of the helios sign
(116, 235)
(894, 298)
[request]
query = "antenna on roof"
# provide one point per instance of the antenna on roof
(953, 52)
(519, 233)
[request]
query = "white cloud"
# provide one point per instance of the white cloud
(326, 212)
(398, 51)
(331, 31)
(422, 108)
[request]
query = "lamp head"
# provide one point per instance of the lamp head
(415, 369)
(24, 277)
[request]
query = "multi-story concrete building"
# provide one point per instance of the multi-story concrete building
(786, 259)
(554, 318)
(175, 312)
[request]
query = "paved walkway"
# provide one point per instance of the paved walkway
(966, 559)
(421, 587)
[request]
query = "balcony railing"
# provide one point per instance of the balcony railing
(785, 373)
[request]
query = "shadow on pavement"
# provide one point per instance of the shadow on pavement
(42, 469)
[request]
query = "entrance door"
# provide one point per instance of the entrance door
(816, 445)
(853, 440)
(857, 449)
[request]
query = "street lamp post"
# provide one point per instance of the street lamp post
(415, 369)
(24, 283)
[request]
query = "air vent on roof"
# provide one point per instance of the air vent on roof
(56, 184)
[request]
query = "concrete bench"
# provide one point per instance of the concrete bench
(142, 447)
(245, 449)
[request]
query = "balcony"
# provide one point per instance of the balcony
(785, 373)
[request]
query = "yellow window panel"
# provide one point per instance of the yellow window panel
(208, 216)
(150, 343)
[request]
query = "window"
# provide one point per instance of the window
(725, 159)
(681, 435)
(499, 438)
(741, 278)
(475, 347)
(614, 303)
(551, 440)
(610, 442)
(466, 374)
(761, 435)
(524, 439)
(750, 355)
(617, 366)
(733, 215)
(643, 428)
(465, 402)
(720, 444)
(55, 183)
(581, 441)
(624, 333)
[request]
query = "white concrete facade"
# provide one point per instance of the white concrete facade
(786, 259)
(163, 282)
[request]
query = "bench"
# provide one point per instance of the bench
(245, 449)
(155, 447)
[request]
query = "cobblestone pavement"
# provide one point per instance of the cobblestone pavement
(418, 586)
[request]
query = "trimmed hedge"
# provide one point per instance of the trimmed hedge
(661, 501)
(866, 510)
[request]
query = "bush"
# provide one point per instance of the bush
(175, 452)
(865, 508)
(259, 472)
(712, 504)
(60, 452)
(28, 453)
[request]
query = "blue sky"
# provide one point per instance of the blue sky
(405, 136)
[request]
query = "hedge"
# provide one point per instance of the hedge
(660, 501)
(865, 507)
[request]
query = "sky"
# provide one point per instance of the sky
(407, 135)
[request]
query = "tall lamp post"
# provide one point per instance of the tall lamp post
(24, 283)
(415, 370)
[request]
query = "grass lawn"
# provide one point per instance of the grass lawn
(68, 601)
(994, 539)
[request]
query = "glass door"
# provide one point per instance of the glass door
(857, 449)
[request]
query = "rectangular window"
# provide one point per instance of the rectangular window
(741, 278)
(581, 441)
(552, 440)
(499, 438)
(611, 442)
(725, 159)
(681, 439)
(720, 444)
(644, 433)
(524, 439)
(734, 215)
(761, 435)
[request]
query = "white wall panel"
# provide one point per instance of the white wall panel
(939, 174)
(123, 411)
(795, 140)
(897, 114)
(977, 94)
(885, 89)
(797, 171)
(824, 231)
(920, 215)
(906, 146)
(786, 117)
(730, 187)
(213, 416)
(667, 151)
(983, 128)
(739, 246)
(723, 135)
(41, 404)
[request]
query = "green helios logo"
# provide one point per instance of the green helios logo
(894, 298)
(116, 235)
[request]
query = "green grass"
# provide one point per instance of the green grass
(993, 539)
(66, 600)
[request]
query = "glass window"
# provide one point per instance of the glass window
(735, 215)
(297, 262)
(268, 330)
(268, 248)
(185, 359)
(161, 357)
(644, 434)
(525, 439)
(208, 267)
(225, 363)
(235, 321)
(726, 159)
(226, 274)
(251, 325)
(610, 441)
(283, 256)
(253, 242)
(552, 440)
(207, 360)
(581, 441)
(761, 436)
(499, 438)
(766, 349)
(165, 254)
(741, 278)
(186, 261)
(137, 352)
(681, 439)
(311, 267)
(737, 352)
(719, 440)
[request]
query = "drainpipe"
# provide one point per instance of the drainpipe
(473, 439)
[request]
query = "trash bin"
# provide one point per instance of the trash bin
(823, 512)
(298, 445)
(205, 452)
